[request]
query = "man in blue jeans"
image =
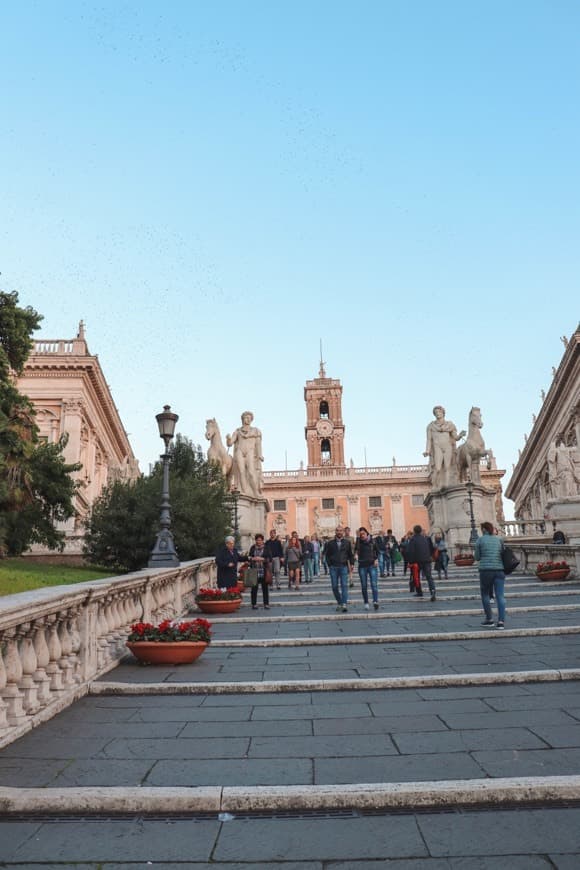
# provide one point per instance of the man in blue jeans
(339, 555)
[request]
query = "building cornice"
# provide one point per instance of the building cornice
(67, 365)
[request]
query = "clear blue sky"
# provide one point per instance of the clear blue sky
(213, 187)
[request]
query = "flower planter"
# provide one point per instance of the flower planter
(181, 652)
(556, 574)
(464, 561)
(219, 606)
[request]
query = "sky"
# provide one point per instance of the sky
(214, 188)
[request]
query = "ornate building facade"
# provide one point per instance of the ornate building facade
(328, 492)
(66, 385)
(545, 483)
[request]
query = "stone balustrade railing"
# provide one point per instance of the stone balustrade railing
(54, 641)
(530, 555)
(59, 346)
(344, 473)
(526, 528)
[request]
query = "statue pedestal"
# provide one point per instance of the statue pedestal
(449, 511)
(565, 513)
(251, 519)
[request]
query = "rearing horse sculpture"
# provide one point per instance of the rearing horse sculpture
(472, 450)
(217, 452)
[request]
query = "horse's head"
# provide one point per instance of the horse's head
(475, 418)
(210, 428)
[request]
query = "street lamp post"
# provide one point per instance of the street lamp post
(473, 536)
(163, 554)
(234, 496)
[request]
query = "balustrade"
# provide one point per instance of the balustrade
(53, 642)
(524, 528)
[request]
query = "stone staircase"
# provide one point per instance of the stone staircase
(299, 710)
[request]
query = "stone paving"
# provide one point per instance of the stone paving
(315, 738)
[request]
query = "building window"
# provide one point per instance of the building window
(324, 410)
(279, 504)
(327, 504)
(417, 500)
(375, 501)
(325, 452)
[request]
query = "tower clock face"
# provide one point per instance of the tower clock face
(324, 428)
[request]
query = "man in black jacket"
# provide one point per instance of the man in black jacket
(275, 554)
(419, 550)
(339, 555)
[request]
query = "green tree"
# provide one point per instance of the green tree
(36, 487)
(124, 520)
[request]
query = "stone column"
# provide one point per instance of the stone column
(398, 515)
(353, 513)
(302, 516)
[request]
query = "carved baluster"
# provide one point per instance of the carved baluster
(28, 661)
(75, 637)
(3, 678)
(40, 676)
(154, 603)
(111, 615)
(102, 642)
(65, 661)
(11, 694)
(117, 633)
(54, 650)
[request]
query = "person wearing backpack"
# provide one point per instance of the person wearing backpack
(488, 552)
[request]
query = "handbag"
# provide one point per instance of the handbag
(435, 555)
(268, 575)
(510, 562)
(397, 557)
(251, 577)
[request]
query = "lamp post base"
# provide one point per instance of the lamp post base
(164, 554)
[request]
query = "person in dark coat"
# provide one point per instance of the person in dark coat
(368, 560)
(259, 559)
(275, 555)
(419, 551)
(227, 560)
(339, 556)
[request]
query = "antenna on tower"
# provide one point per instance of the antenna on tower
(321, 372)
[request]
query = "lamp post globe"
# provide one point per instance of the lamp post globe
(163, 554)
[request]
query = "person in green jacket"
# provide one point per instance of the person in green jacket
(491, 574)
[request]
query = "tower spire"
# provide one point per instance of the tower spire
(321, 371)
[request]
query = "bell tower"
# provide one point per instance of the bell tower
(324, 430)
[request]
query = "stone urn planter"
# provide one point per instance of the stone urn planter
(553, 573)
(172, 642)
(464, 561)
(180, 652)
(211, 600)
(217, 607)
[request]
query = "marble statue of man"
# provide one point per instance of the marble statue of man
(566, 471)
(441, 440)
(247, 468)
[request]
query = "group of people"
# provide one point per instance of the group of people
(417, 550)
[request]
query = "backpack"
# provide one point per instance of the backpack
(510, 562)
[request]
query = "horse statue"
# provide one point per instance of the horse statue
(217, 452)
(472, 450)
